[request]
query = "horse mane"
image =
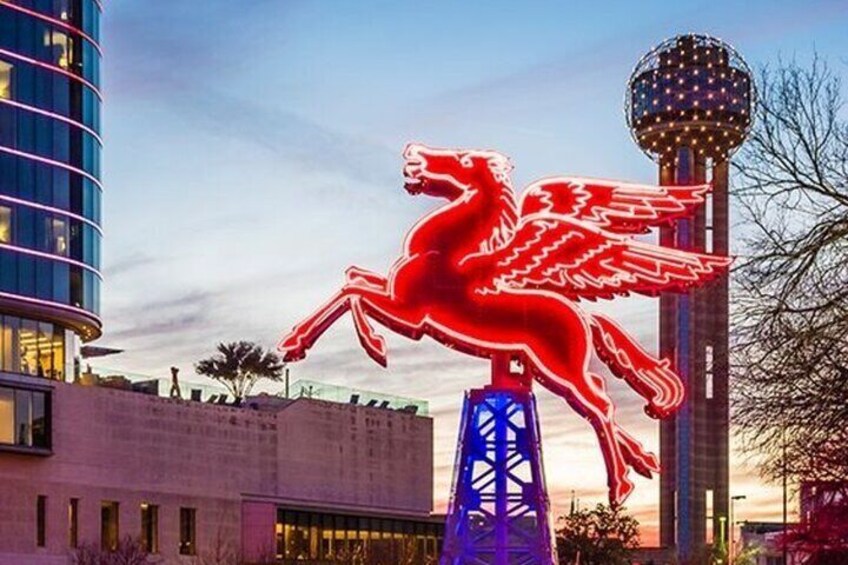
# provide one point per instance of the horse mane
(503, 231)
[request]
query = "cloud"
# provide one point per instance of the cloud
(150, 324)
(127, 264)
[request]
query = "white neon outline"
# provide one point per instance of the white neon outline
(53, 21)
(45, 255)
(51, 162)
(371, 296)
(630, 203)
(672, 395)
(54, 68)
(52, 115)
(52, 210)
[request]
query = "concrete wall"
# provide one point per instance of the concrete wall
(134, 448)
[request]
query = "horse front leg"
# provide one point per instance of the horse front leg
(303, 336)
(373, 343)
(359, 276)
(370, 302)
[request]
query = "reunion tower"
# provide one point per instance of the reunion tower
(689, 105)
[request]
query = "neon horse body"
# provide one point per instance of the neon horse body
(493, 277)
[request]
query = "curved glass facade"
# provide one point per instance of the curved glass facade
(50, 188)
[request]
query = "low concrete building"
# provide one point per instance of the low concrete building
(303, 480)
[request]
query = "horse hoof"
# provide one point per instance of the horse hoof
(294, 355)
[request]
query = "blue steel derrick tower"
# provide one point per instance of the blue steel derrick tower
(499, 512)
(50, 186)
(689, 105)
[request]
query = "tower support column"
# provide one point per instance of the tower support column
(499, 512)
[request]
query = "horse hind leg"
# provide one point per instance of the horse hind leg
(587, 396)
(652, 378)
(633, 453)
(643, 462)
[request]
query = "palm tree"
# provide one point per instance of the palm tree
(239, 365)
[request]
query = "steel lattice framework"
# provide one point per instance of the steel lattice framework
(499, 512)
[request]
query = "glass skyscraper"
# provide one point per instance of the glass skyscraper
(50, 183)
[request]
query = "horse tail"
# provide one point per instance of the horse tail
(652, 378)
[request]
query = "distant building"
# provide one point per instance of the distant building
(765, 539)
(823, 521)
(689, 106)
(298, 481)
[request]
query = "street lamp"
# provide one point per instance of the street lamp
(732, 528)
(722, 533)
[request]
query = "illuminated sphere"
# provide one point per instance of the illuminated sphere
(690, 91)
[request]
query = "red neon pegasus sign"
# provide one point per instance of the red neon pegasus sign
(495, 276)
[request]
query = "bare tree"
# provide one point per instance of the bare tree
(790, 287)
(129, 551)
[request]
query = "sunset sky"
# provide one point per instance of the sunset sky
(253, 152)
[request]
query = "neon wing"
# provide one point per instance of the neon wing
(579, 260)
(614, 206)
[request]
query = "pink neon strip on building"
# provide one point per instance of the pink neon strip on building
(53, 21)
(52, 304)
(51, 256)
(51, 209)
(47, 161)
(52, 115)
(53, 68)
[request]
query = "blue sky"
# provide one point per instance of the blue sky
(252, 153)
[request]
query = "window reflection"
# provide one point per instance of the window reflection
(24, 418)
(6, 80)
(7, 416)
(58, 234)
(109, 525)
(188, 531)
(5, 224)
(150, 527)
(28, 346)
(61, 46)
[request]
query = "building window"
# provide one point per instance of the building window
(58, 234)
(62, 46)
(150, 527)
(708, 208)
(710, 509)
(7, 416)
(24, 418)
(5, 224)
(73, 522)
(6, 80)
(109, 527)
(41, 521)
(188, 530)
(708, 372)
(28, 345)
(32, 348)
(319, 537)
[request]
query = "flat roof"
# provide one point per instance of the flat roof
(212, 392)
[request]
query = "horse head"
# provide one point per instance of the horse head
(450, 173)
